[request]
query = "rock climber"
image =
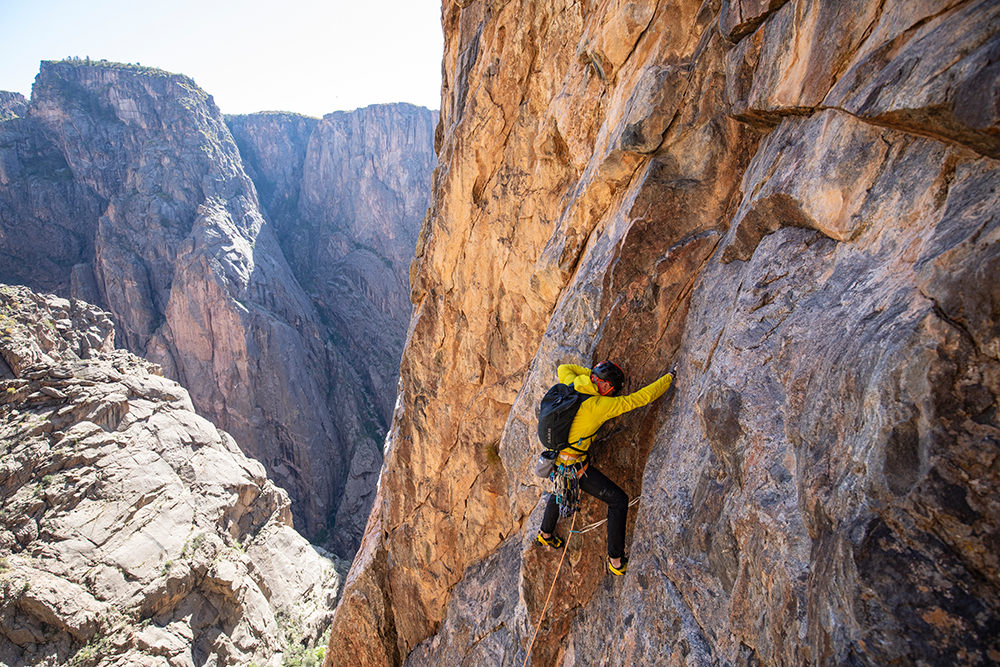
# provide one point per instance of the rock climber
(602, 384)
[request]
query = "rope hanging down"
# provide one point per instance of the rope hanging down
(587, 529)
(545, 607)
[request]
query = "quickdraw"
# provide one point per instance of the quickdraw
(565, 481)
(600, 523)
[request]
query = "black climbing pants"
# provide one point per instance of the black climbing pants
(596, 483)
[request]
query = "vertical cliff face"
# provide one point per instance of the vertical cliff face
(123, 186)
(793, 203)
(347, 195)
(48, 219)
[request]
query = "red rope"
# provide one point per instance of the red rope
(551, 588)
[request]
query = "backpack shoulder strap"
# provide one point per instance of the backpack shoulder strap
(570, 445)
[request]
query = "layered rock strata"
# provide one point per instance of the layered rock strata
(122, 185)
(795, 204)
(133, 531)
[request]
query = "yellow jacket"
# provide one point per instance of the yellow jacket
(599, 409)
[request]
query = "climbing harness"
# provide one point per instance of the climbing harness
(565, 480)
(545, 606)
(545, 466)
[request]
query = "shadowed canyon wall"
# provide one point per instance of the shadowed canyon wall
(346, 195)
(796, 204)
(123, 186)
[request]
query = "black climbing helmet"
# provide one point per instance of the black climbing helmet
(609, 372)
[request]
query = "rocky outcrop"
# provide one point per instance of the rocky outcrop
(795, 205)
(133, 531)
(12, 105)
(122, 185)
(346, 195)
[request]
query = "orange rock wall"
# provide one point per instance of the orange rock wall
(792, 202)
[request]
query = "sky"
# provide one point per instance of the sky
(305, 56)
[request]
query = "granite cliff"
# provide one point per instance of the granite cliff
(346, 195)
(133, 531)
(123, 186)
(796, 204)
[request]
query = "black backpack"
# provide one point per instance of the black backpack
(555, 416)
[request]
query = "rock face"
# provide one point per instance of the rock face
(795, 204)
(346, 195)
(12, 105)
(123, 186)
(133, 531)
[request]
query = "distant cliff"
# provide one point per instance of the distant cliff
(794, 203)
(123, 186)
(346, 195)
(133, 531)
(12, 105)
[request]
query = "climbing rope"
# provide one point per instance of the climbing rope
(572, 532)
(587, 529)
(549, 597)
(545, 607)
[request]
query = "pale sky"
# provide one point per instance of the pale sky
(306, 56)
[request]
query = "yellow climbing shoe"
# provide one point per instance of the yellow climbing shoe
(619, 571)
(554, 541)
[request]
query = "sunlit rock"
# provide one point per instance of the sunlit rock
(795, 204)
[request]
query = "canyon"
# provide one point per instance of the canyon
(279, 301)
(795, 203)
(790, 201)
